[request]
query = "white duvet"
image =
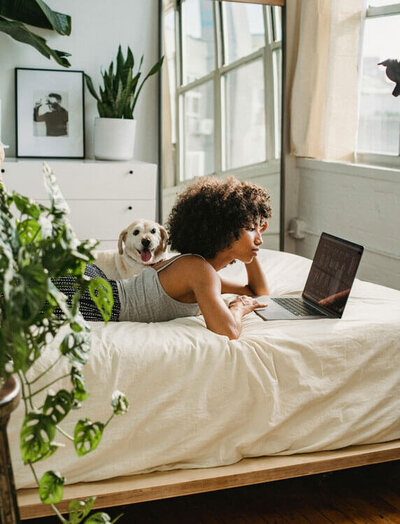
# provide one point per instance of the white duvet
(199, 399)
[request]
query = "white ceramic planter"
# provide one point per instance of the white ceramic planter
(114, 138)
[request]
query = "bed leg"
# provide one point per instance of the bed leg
(9, 399)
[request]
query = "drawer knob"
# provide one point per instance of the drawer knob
(3, 170)
(130, 207)
(131, 171)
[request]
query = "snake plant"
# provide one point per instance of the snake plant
(121, 87)
(15, 13)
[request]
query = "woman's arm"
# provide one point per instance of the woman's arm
(220, 318)
(256, 281)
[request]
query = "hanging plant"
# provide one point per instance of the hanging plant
(14, 14)
(37, 248)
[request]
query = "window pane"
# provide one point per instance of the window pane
(199, 131)
(197, 39)
(245, 115)
(379, 117)
(243, 30)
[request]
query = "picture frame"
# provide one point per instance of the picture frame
(49, 113)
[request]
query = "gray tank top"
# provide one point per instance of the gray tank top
(143, 299)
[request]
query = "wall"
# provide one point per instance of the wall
(98, 27)
(359, 203)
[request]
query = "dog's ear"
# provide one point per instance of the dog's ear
(164, 240)
(162, 246)
(122, 237)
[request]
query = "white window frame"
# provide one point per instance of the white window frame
(378, 159)
(271, 84)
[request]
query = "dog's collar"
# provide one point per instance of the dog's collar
(154, 263)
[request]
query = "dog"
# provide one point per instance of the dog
(140, 245)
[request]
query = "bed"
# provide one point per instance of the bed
(288, 398)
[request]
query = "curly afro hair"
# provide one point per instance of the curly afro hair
(208, 216)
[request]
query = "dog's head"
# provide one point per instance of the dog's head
(145, 242)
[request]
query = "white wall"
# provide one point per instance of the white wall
(359, 203)
(98, 27)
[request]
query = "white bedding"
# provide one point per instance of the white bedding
(199, 399)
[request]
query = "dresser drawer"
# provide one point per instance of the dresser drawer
(105, 219)
(79, 179)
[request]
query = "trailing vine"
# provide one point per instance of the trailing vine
(38, 245)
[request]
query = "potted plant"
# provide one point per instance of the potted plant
(114, 132)
(37, 244)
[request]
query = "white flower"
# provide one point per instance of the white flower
(9, 367)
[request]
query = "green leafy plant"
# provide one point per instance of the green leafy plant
(14, 14)
(37, 244)
(121, 87)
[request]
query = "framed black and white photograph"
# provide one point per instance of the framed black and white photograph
(50, 121)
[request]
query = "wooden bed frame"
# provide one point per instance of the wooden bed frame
(160, 485)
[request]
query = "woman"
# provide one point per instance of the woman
(213, 223)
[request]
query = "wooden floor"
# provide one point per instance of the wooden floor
(363, 495)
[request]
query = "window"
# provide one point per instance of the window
(225, 60)
(378, 138)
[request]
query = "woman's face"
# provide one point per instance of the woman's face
(246, 247)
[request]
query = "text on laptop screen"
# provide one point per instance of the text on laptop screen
(332, 273)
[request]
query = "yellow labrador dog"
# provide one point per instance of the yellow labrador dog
(141, 244)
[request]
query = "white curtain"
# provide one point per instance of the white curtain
(167, 147)
(324, 92)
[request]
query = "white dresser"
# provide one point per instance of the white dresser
(104, 197)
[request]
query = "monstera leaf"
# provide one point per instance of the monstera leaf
(79, 509)
(51, 487)
(36, 439)
(57, 406)
(101, 292)
(87, 436)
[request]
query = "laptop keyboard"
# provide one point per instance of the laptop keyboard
(296, 306)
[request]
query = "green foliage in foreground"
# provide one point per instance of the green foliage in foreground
(15, 14)
(38, 243)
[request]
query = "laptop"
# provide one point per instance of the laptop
(328, 285)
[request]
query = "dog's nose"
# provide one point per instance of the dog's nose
(145, 242)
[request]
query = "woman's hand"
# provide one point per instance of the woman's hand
(243, 305)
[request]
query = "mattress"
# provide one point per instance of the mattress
(198, 399)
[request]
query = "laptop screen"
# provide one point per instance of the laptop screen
(332, 273)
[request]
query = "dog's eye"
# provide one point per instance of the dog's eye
(136, 232)
(153, 231)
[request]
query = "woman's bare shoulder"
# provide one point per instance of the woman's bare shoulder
(189, 261)
(198, 272)
(193, 263)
